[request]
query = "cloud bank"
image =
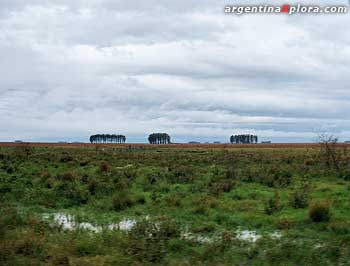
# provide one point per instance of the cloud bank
(69, 70)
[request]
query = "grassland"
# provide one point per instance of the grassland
(174, 205)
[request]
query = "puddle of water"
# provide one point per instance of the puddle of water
(242, 235)
(319, 245)
(90, 227)
(126, 224)
(276, 235)
(126, 166)
(246, 235)
(253, 236)
(200, 239)
(68, 222)
(65, 220)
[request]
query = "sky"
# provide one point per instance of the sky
(69, 69)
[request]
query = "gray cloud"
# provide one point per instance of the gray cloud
(72, 68)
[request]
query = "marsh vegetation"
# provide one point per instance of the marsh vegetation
(172, 206)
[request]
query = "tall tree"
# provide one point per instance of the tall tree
(159, 138)
(107, 138)
(244, 139)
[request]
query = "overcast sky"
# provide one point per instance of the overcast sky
(69, 69)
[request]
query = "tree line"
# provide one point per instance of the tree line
(159, 138)
(107, 138)
(164, 138)
(244, 139)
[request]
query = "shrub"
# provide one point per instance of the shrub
(299, 199)
(203, 204)
(340, 227)
(222, 186)
(345, 174)
(154, 176)
(123, 178)
(92, 186)
(231, 173)
(9, 169)
(72, 193)
(204, 228)
(105, 167)
(174, 200)
(139, 199)
(182, 174)
(100, 186)
(45, 175)
(30, 244)
(282, 178)
(68, 176)
(148, 240)
(273, 204)
(285, 223)
(60, 260)
(66, 158)
(156, 197)
(84, 163)
(320, 211)
(124, 200)
(308, 162)
(9, 218)
(275, 177)
(87, 245)
(151, 179)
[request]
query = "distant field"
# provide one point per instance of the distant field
(178, 204)
(178, 146)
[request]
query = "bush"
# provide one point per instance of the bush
(223, 186)
(204, 228)
(84, 163)
(275, 177)
(45, 175)
(345, 174)
(182, 174)
(273, 204)
(30, 244)
(285, 223)
(203, 204)
(72, 193)
(68, 176)
(60, 260)
(282, 178)
(105, 167)
(174, 200)
(299, 199)
(123, 178)
(154, 176)
(9, 218)
(148, 240)
(66, 158)
(100, 186)
(92, 186)
(124, 200)
(340, 227)
(231, 173)
(320, 212)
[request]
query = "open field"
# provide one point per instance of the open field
(169, 146)
(178, 204)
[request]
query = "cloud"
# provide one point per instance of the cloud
(70, 69)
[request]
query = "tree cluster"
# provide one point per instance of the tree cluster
(159, 138)
(244, 139)
(107, 138)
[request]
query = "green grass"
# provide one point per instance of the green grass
(207, 193)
